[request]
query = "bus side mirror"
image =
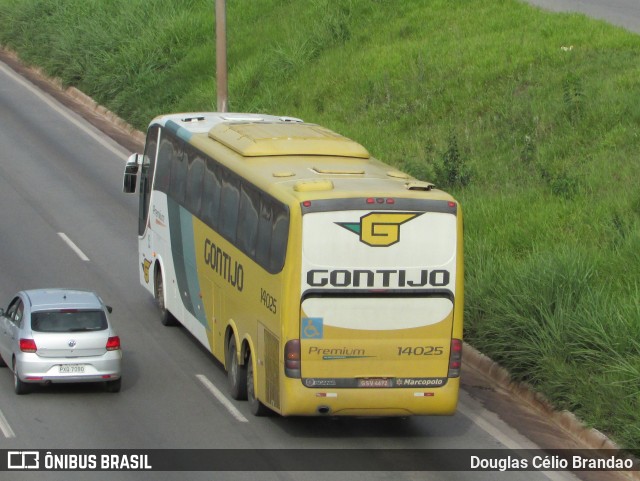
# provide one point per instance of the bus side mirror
(130, 173)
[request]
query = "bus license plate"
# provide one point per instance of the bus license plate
(374, 382)
(71, 369)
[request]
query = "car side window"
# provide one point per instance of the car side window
(13, 305)
(17, 317)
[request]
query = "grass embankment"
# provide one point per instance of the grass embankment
(531, 119)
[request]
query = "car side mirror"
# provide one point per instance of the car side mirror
(130, 173)
(109, 309)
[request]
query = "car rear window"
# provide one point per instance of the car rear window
(68, 320)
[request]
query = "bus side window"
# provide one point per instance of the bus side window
(248, 220)
(146, 177)
(265, 228)
(178, 183)
(229, 205)
(163, 166)
(279, 238)
(211, 194)
(194, 180)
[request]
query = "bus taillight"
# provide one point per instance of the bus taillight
(292, 358)
(455, 358)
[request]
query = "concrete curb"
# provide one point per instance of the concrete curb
(72, 94)
(116, 121)
(582, 435)
(589, 438)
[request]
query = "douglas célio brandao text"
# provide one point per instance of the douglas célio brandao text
(549, 463)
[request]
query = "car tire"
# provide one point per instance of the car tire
(236, 373)
(2, 363)
(166, 318)
(18, 386)
(256, 407)
(113, 386)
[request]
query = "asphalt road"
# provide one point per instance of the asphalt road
(623, 13)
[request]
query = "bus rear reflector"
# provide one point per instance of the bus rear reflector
(292, 358)
(455, 358)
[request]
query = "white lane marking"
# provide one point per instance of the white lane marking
(74, 247)
(495, 427)
(81, 124)
(4, 426)
(221, 397)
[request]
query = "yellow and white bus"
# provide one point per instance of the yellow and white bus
(325, 281)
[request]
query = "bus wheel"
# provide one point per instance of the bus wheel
(166, 317)
(256, 407)
(236, 373)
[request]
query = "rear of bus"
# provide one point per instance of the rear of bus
(380, 325)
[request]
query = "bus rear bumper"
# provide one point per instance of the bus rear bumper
(387, 402)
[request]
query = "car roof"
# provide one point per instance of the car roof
(43, 299)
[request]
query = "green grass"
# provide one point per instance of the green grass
(531, 119)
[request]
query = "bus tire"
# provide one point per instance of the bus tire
(256, 407)
(166, 318)
(236, 373)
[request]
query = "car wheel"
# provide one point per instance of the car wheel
(2, 363)
(19, 386)
(256, 407)
(166, 317)
(113, 386)
(236, 373)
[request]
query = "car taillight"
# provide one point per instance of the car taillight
(292, 358)
(455, 358)
(113, 343)
(28, 345)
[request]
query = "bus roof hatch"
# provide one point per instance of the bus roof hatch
(252, 139)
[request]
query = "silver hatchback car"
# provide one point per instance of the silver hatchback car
(59, 335)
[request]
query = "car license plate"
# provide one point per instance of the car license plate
(374, 382)
(71, 369)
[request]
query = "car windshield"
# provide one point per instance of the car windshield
(68, 320)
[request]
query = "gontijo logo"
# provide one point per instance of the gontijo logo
(379, 229)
